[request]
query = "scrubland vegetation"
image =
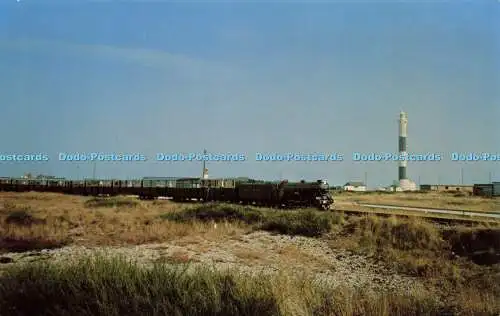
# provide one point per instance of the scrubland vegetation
(103, 286)
(458, 264)
(444, 200)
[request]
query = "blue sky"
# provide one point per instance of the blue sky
(250, 77)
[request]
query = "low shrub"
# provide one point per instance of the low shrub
(303, 222)
(306, 223)
(110, 202)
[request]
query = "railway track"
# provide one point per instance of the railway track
(427, 210)
(435, 216)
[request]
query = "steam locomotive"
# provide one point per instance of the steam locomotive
(282, 194)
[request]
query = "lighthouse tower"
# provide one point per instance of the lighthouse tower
(404, 183)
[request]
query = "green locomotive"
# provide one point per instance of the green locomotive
(287, 194)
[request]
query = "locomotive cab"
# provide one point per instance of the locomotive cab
(325, 199)
(323, 183)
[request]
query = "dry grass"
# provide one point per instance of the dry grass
(57, 219)
(113, 286)
(249, 254)
(292, 255)
(417, 247)
(177, 257)
(431, 200)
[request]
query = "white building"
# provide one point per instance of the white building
(355, 186)
(394, 188)
(407, 185)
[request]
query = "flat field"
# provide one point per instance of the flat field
(70, 255)
(444, 200)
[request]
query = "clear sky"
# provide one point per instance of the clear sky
(250, 77)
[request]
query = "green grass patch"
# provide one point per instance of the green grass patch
(218, 212)
(309, 223)
(306, 223)
(380, 232)
(110, 202)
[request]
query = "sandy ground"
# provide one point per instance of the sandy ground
(250, 253)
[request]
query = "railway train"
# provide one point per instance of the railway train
(282, 194)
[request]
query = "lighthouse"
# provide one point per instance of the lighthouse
(403, 133)
(405, 184)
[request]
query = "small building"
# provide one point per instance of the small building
(483, 189)
(496, 188)
(355, 187)
(488, 190)
(394, 188)
(447, 187)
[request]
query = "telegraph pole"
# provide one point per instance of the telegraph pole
(461, 176)
(93, 171)
(204, 173)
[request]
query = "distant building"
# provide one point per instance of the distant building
(447, 187)
(392, 188)
(488, 190)
(355, 187)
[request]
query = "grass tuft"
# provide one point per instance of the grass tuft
(306, 223)
(23, 244)
(218, 212)
(396, 233)
(111, 202)
(480, 245)
(22, 217)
